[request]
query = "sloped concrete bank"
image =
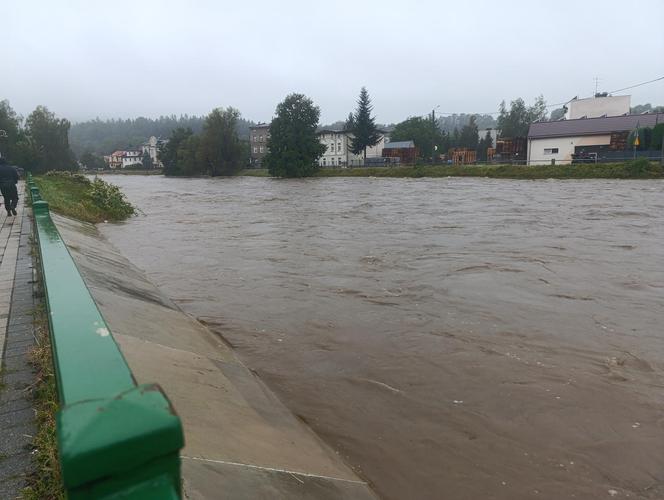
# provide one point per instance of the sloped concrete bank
(241, 441)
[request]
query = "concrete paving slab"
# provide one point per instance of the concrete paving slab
(17, 439)
(17, 403)
(17, 419)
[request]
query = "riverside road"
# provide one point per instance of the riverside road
(450, 338)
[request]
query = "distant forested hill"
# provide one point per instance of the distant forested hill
(102, 137)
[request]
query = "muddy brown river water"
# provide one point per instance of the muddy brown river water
(450, 338)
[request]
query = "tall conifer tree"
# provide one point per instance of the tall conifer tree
(362, 126)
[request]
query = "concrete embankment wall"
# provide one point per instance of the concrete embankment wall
(240, 441)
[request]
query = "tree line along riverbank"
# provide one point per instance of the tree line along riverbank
(638, 169)
(76, 196)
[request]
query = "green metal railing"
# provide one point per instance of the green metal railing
(116, 439)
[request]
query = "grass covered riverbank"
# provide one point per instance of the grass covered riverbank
(639, 169)
(74, 195)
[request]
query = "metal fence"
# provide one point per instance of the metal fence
(115, 438)
(622, 158)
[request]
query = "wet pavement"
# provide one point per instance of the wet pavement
(449, 338)
(17, 376)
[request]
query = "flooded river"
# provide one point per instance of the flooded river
(450, 338)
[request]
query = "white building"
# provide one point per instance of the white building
(337, 149)
(595, 107)
(130, 158)
(597, 138)
(151, 147)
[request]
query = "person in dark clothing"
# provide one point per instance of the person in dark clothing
(8, 180)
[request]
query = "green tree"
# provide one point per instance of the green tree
(557, 114)
(168, 153)
(423, 133)
(349, 124)
(641, 108)
(484, 143)
(516, 121)
(49, 141)
(469, 136)
(245, 153)
(147, 161)
(362, 126)
(657, 137)
(454, 140)
(10, 132)
(92, 162)
(293, 147)
(191, 157)
(221, 147)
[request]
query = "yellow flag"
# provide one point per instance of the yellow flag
(637, 142)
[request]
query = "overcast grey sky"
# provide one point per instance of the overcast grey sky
(130, 58)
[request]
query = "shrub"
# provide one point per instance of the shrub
(638, 167)
(109, 198)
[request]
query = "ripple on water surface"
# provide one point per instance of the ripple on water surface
(482, 338)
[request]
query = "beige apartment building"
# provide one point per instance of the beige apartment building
(258, 136)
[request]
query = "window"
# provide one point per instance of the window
(339, 162)
(324, 161)
(550, 151)
(261, 149)
(255, 149)
(332, 147)
(338, 146)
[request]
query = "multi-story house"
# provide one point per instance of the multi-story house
(132, 157)
(115, 159)
(336, 144)
(258, 137)
(124, 159)
(337, 149)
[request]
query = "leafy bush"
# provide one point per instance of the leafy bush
(109, 198)
(638, 167)
(76, 196)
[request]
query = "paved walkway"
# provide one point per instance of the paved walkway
(17, 417)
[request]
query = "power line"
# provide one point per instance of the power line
(561, 103)
(638, 85)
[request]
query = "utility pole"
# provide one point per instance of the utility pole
(433, 133)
